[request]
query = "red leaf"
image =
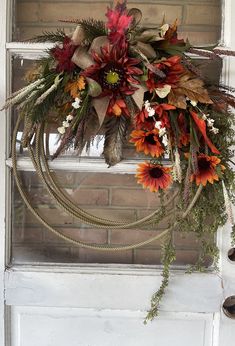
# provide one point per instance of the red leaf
(202, 128)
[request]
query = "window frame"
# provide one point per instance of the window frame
(97, 165)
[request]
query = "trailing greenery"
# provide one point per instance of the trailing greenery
(168, 256)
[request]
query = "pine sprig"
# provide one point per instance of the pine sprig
(49, 36)
(93, 28)
(233, 236)
(168, 257)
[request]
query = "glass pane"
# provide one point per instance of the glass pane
(199, 21)
(111, 196)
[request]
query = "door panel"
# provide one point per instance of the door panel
(85, 327)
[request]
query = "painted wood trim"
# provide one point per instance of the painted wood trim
(226, 327)
(4, 15)
(81, 165)
(186, 292)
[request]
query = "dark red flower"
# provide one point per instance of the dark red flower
(207, 169)
(118, 23)
(63, 56)
(161, 113)
(143, 121)
(114, 71)
(171, 67)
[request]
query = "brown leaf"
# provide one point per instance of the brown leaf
(193, 88)
(176, 99)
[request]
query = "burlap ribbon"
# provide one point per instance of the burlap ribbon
(83, 59)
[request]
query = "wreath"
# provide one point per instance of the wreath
(130, 83)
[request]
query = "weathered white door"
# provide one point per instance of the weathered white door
(94, 305)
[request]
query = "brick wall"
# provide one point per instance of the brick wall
(200, 20)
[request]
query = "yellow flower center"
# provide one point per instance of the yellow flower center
(112, 77)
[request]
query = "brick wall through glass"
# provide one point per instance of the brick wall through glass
(200, 21)
(112, 196)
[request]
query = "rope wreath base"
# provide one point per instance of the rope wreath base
(40, 163)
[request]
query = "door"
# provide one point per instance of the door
(46, 302)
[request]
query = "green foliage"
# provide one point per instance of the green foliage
(50, 36)
(168, 256)
(93, 28)
(233, 235)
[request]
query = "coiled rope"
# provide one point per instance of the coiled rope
(39, 158)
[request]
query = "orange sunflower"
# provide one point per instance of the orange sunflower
(153, 177)
(148, 142)
(207, 170)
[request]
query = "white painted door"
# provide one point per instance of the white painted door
(104, 305)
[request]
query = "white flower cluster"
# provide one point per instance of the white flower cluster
(210, 123)
(158, 124)
(149, 109)
(65, 124)
(76, 104)
(206, 117)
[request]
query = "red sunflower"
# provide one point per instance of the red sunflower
(114, 71)
(153, 177)
(147, 142)
(206, 170)
(171, 67)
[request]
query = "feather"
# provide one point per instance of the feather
(28, 131)
(86, 131)
(116, 130)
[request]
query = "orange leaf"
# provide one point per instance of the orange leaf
(74, 87)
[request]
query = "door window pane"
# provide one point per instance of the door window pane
(111, 196)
